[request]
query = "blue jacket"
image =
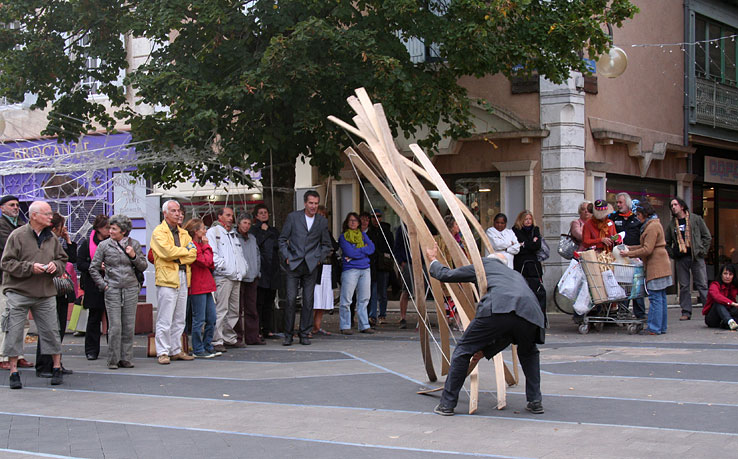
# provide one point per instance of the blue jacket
(358, 258)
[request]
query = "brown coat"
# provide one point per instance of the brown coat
(652, 250)
(21, 252)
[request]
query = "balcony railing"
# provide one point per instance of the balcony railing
(717, 104)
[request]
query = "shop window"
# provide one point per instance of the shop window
(657, 193)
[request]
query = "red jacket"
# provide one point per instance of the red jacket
(202, 270)
(591, 235)
(719, 293)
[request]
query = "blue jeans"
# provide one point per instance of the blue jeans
(203, 313)
(657, 311)
(380, 282)
(358, 280)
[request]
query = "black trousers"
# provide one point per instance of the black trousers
(293, 278)
(492, 334)
(719, 315)
(265, 306)
(44, 362)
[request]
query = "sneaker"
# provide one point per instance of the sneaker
(163, 359)
(125, 364)
(732, 324)
(347, 331)
(535, 407)
(181, 356)
(15, 381)
(204, 355)
(368, 331)
(56, 376)
(443, 411)
(112, 366)
(403, 324)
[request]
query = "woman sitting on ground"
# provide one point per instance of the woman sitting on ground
(721, 309)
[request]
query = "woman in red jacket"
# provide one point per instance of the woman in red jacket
(721, 310)
(202, 286)
(599, 231)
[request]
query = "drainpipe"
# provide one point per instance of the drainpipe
(687, 74)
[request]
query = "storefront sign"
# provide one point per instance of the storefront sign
(721, 170)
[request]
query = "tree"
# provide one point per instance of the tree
(247, 81)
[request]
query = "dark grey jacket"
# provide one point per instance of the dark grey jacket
(297, 244)
(507, 290)
(118, 268)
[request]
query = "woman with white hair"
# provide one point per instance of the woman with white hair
(576, 228)
(122, 256)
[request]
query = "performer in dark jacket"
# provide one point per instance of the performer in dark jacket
(94, 299)
(267, 239)
(507, 313)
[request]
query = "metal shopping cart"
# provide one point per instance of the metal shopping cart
(611, 285)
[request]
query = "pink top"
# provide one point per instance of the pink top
(576, 232)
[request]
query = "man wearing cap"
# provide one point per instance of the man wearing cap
(381, 263)
(9, 222)
(32, 257)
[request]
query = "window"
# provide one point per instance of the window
(92, 63)
(417, 48)
(715, 53)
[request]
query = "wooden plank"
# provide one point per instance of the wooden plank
(515, 363)
(500, 380)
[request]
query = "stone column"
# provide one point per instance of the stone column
(562, 166)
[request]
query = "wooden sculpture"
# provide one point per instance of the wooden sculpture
(404, 185)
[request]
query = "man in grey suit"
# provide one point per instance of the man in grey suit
(508, 313)
(303, 243)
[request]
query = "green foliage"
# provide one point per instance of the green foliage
(243, 79)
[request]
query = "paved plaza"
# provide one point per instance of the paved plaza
(606, 395)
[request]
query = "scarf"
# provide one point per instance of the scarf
(686, 241)
(355, 237)
(93, 245)
(645, 222)
(626, 214)
(13, 220)
(601, 226)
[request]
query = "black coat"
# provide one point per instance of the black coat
(267, 240)
(94, 298)
(526, 262)
(383, 242)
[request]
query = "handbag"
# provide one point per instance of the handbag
(567, 246)
(63, 284)
(544, 252)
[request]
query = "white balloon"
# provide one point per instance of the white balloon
(613, 63)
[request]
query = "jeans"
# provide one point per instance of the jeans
(639, 307)
(358, 280)
(657, 311)
(720, 314)
(698, 270)
(203, 315)
(380, 281)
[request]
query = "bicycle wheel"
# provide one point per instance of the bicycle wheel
(563, 303)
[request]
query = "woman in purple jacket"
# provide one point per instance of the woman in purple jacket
(356, 247)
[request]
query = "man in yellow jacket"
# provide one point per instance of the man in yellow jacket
(174, 252)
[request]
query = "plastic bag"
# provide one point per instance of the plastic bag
(613, 289)
(583, 304)
(571, 281)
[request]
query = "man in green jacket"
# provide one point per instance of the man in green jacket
(688, 242)
(31, 259)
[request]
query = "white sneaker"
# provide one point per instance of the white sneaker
(732, 324)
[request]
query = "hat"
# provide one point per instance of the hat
(8, 198)
(377, 211)
(601, 209)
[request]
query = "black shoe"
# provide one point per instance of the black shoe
(403, 325)
(43, 374)
(236, 345)
(15, 381)
(443, 411)
(535, 407)
(91, 357)
(287, 340)
(305, 341)
(56, 377)
(67, 372)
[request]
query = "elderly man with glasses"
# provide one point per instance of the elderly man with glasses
(9, 222)
(32, 257)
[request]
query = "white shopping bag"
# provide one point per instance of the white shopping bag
(583, 304)
(572, 280)
(614, 291)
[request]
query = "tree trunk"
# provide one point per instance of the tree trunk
(279, 196)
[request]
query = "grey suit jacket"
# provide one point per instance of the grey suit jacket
(297, 244)
(507, 290)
